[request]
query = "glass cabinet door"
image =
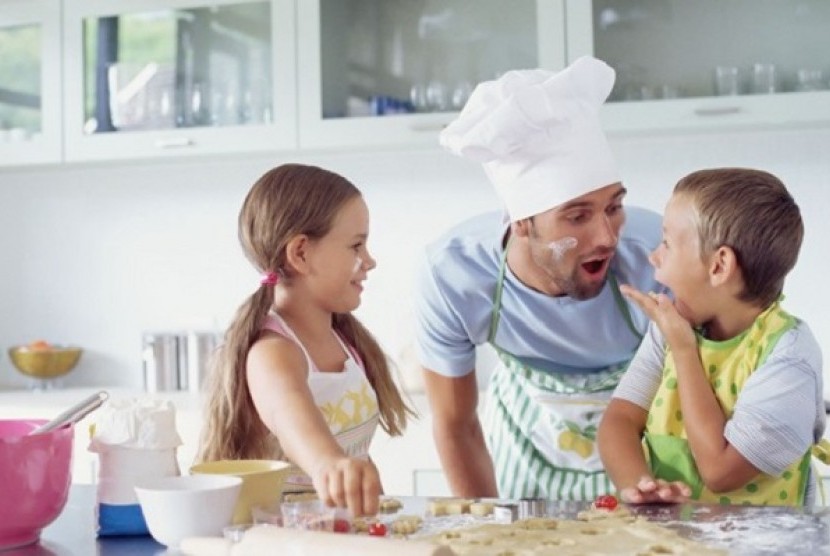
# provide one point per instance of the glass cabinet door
(30, 125)
(395, 71)
(166, 75)
(742, 61)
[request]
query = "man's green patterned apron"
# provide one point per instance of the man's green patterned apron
(542, 425)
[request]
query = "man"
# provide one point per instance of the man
(542, 289)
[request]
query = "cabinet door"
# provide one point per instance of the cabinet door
(394, 72)
(708, 64)
(156, 78)
(30, 122)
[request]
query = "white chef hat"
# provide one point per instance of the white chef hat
(538, 135)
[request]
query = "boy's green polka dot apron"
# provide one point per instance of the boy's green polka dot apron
(728, 365)
(541, 425)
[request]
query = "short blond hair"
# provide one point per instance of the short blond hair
(751, 212)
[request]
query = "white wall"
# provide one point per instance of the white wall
(95, 255)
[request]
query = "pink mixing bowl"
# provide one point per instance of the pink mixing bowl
(35, 474)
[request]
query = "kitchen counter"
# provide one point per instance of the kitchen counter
(409, 464)
(743, 530)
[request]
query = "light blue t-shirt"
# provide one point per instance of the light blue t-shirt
(457, 279)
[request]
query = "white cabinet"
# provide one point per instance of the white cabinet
(30, 82)
(157, 78)
(121, 79)
(708, 65)
(381, 73)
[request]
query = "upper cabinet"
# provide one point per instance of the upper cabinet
(708, 64)
(85, 80)
(394, 72)
(154, 78)
(30, 82)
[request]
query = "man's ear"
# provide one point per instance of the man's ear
(296, 252)
(723, 266)
(521, 228)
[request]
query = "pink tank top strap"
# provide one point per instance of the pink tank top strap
(276, 325)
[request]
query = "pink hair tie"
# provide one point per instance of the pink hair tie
(269, 279)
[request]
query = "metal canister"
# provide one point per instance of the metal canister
(199, 349)
(532, 507)
(161, 360)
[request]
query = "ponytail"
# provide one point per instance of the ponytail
(393, 410)
(233, 429)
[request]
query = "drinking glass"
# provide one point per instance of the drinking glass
(764, 79)
(308, 514)
(727, 81)
(809, 80)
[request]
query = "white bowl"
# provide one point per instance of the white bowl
(187, 506)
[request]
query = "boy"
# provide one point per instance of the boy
(725, 392)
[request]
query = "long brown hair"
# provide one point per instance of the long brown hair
(286, 201)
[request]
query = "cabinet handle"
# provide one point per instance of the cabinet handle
(428, 127)
(174, 142)
(720, 111)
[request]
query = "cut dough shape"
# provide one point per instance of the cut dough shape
(449, 506)
(457, 507)
(481, 508)
(361, 524)
(437, 507)
(406, 524)
(390, 505)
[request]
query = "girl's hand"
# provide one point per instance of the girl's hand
(656, 491)
(352, 483)
(659, 308)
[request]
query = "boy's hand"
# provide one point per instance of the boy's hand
(656, 491)
(660, 308)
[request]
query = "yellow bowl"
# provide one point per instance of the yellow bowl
(262, 481)
(44, 363)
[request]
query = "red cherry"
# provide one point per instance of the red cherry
(342, 526)
(606, 502)
(377, 529)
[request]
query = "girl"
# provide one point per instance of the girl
(298, 377)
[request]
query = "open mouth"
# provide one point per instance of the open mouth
(594, 267)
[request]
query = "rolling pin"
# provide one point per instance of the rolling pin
(267, 541)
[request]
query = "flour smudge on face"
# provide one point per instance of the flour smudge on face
(560, 247)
